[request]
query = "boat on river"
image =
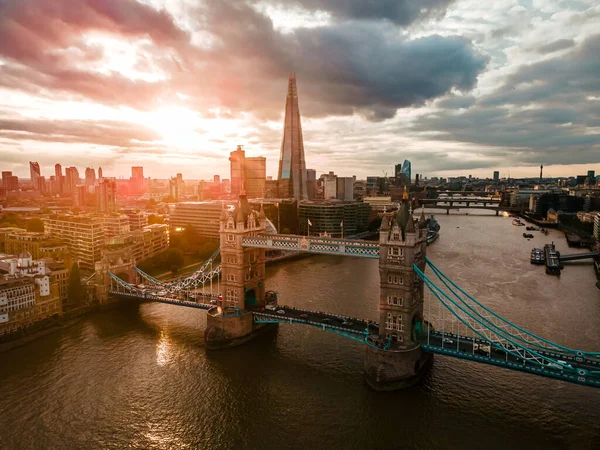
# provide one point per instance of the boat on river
(433, 230)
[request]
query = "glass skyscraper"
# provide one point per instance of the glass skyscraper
(292, 165)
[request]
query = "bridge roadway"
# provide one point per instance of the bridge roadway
(205, 302)
(356, 329)
(450, 344)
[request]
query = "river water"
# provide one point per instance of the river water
(139, 376)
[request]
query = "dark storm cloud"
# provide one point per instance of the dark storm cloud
(359, 66)
(401, 12)
(544, 112)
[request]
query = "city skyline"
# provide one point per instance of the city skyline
(142, 83)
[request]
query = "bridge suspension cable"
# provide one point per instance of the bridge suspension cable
(495, 337)
(500, 323)
(182, 280)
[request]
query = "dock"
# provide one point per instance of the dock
(552, 261)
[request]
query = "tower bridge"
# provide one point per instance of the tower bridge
(411, 328)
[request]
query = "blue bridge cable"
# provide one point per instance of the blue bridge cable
(535, 357)
(460, 298)
(198, 272)
(436, 291)
(443, 277)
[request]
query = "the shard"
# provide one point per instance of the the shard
(292, 166)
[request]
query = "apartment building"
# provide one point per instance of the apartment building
(144, 243)
(28, 292)
(84, 235)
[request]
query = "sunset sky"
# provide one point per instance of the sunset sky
(457, 87)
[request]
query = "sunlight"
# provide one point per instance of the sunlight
(163, 346)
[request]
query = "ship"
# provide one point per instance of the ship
(433, 230)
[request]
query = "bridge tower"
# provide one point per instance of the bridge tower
(242, 278)
(394, 358)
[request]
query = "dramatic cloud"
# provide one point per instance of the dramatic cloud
(548, 112)
(401, 12)
(450, 84)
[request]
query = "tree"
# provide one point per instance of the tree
(75, 290)
(36, 225)
(174, 259)
(11, 220)
(153, 218)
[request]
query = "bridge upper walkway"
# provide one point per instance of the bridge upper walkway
(314, 244)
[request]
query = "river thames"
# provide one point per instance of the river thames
(139, 377)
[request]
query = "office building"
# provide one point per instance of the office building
(203, 216)
(10, 182)
(106, 195)
(83, 234)
(345, 188)
(136, 182)
(402, 173)
(372, 186)
(71, 179)
(329, 186)
(597, 227)
(329, 216)
(496, 176)
(100, 174)
(311, 184)
(174, 189)
(255, 176)
(248, 174)
(90, 176)
(137, 219)
(38, 245)
(141, 244)
(591, 177)
(236, 171)
(35, 176)
(292, 165)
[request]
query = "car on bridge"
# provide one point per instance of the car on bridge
(447, 341)
(271, 307)
(304, 316)
(347, 323)
(281, 311)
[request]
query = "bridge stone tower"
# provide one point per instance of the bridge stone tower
(394, 358)
(242, 278)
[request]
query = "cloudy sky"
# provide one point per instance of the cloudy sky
(456, 86)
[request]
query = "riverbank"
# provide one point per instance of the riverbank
(43, 328)
(51, 325)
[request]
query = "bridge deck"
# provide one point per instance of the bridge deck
(463, 347)
(314, 244)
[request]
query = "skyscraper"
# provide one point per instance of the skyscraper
(34, 175)
(237, 173)
(90, 176)
(255, 172)
(136, 182)
(496, 176)
(71, 179)
(402, 173)
(100, 173)
(292, 165)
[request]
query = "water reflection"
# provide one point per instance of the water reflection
(163, 349)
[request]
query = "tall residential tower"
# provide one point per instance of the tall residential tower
(292, 165)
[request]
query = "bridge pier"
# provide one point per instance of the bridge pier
(393, 369)
(497, 212)
(224, 331)
(447, 212)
